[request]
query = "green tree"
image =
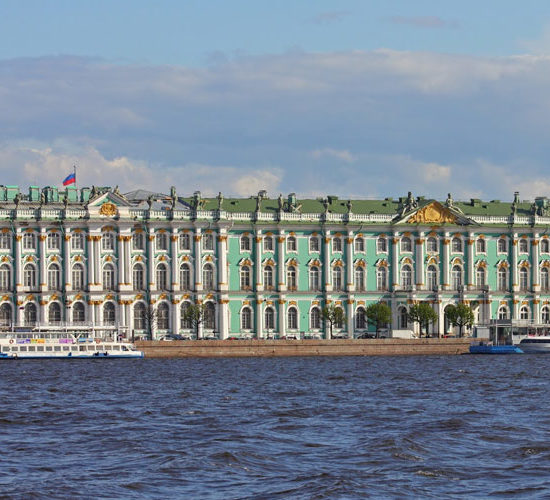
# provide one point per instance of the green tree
(379, 315)
(460, 315)
(334, 315)
(194, 314)
(423, 314)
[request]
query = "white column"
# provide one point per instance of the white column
(281, 261)
(97, 261)
(120, 262)
(420, 282)
(18, 263)
(282, 317)
(471, 268)
(326, 262)
(223, 282)
(349, 262)
(174, 258)
(43, 260)
(67, 261)
(200, 334)
(176, 313)
(350, 315)
(258, 260)
(259, 318)
(127, 260)
(151, 259)
(91, 273)
(395, 261)
(198, 260)
(535, 280)
(446, 242)
(223, 317)
(515, 282)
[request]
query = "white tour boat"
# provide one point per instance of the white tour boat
(66, 343)
(538, 344)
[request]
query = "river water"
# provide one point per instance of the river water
(300, 428)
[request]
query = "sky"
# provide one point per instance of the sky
(356, 98)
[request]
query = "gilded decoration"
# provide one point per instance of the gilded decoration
(434, 212)
(108, 209)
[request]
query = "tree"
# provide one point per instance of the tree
(334, 315)
(460, 315)
(379, 315)
(195, 315)
(423, 314)
(150, 316)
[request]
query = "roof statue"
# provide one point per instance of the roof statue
(349, 206)
(449, 201)
(220, 201)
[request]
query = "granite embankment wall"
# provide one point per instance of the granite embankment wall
(267, 348)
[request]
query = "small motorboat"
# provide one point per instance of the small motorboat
(489, 348)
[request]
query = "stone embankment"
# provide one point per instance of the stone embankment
(269, 348)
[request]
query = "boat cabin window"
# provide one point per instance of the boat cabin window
(74, 348)
(40, 348)
(57, 348)
(66, 347)
(23, 348)
(31, 348)
(82, 348)
(49, 348)
(5, 348)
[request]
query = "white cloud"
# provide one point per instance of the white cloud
(424, 21)
(433, 172)
(339, 154)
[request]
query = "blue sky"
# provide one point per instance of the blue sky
(357, 98)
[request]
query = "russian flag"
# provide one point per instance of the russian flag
(70, 179)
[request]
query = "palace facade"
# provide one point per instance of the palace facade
(265, 267)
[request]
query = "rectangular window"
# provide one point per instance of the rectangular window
(337, 245)
(268, 244)
(245, 243)
(185, 241)
(162, 241)
(29, 241)
(5, 241)
(138, 241)
(77, 241)
(208, 242)
(314, 244)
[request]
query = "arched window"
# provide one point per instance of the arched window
(313, 244)
(502, 312)
(208, 242)
(29, 241)
(246, 318)
(292, 316)
(79, 313)
(544, 245)
(185, 322)
(138, 277)
(480, 277)
(268, 244)
(78, 277)
(162, 241)
(339, 323)
(108, 277)
(138, 241)
(208, 277)
(185, 277)
(406, 244)
(381, 278)
(545, 315)
(402, 318)
(524, 312)
(501, 245)
(406, 276)
(5, 277)
(245, 243)
(162, 277)
(381, 245)
(184, 241)
(315, 318)
(140, 322)
(337, 278)
(53, 241)
(291, 278)
(359, 279)
(29, 276)
(431, 277)
(268, 277)
(5, 314)
(54, 280)
(544, 282)
(108, 241)
(523, 245)
(54, 313)
(523, 278)
(431, 245)
(209, 316)
(359, 244)
(77, 241)
(456, 277)
(291, 245)
(360, 319)
(502, 279)
(314, 281)
(480, 245)
(456, 245)
(269, 318)
(29, 314)
(163, 316)
(108, 313)
(245, 278)
(336, 244)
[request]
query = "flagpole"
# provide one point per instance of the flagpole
(74, 169)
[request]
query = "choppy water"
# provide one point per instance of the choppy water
(304, 428)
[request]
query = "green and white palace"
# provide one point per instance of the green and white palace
(265, 267)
